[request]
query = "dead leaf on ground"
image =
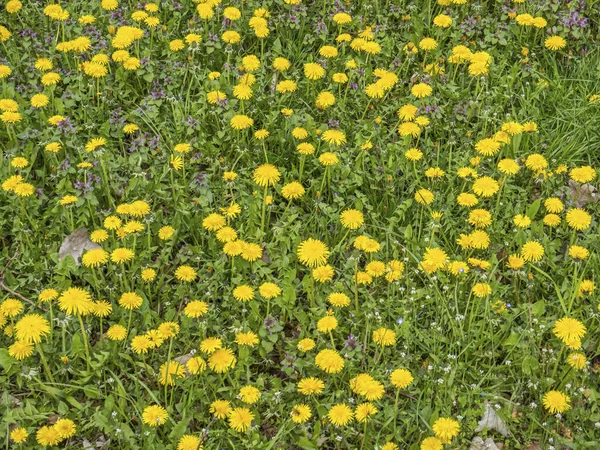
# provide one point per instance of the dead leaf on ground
(491, 421)
(479, 444)
(75, 244)
(583, 193)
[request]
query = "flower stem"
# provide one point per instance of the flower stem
(45, 363)
(85, 342)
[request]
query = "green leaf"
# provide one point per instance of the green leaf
(6, 361)
(538, 308)
(530, 365)
(533, 208)
(306, 444)
(513, 339)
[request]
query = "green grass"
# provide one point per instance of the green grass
(462, 350)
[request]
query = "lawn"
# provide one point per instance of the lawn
(293, 224)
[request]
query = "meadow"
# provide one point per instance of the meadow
(294, 224)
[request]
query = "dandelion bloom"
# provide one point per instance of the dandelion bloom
(313, 253)
(424, 196)
(481, 290)
(249, 394)
(327, 324)
(342, 18)
(102, 308)
(583, 174)
(168, 329)
(427, 44)
(281, 64)
(47, 295)
(366, 244)
(305, 345)
(210, 345)
(408, 112)
(313, 71)
(577, 361)
(324, 273)
(19, 435)
(532, 251)
(431, 443)
(39, 101)
(421, 90)
(65, 428)
(555, 42)
(222, 360)
(364, 411)
(286, 86)
(241, 122)
(248, 339)
(20, 350)
(508, 166)
(69, 200)
(154, 415)
(76, 301)
(556, 402)
(47, 436)
(578, 252)
(487, 147)
(300, 413)
(121, 255)
(94, 258)
(250, 252)
(310, 386)
(442, 21)
(338, 299)
(352, 219)
(189, 442)
(480, 218)
(169, 372)
(515, 262)
(130, 300)
(536, 162)
(214, 222)
(409, 129)
(148, 274)
(195, 309)
(578, 219)
(445, 429)
(269, 290)
(266, 175)
(243, 293)
(568, 329)
(185, 273)
(292, 191)
(466, 199)
(324, 100)
(329, 361)
(195, 365)
(485, 186)
(141, 344)
(384, 337)
(220, 408)
(401, 378)
(11, 307)
(340, 414)
(334, 137)
(31, 328)
(116, 332)
(240, 419)
(367, 386)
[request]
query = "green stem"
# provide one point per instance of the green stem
(44, 363)
(85, 342)
(264, 210)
